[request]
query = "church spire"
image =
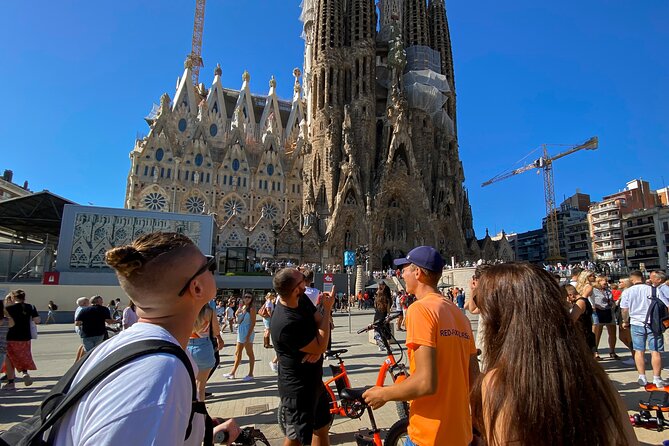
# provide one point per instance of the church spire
(416, 30)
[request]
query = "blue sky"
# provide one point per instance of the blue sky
(79, 76)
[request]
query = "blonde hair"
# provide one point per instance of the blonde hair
(582, 280)
(203, 318)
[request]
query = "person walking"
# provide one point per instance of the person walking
(442, 358)
(230, 313)
(129, 315)
(634, 304)
(93, 320)
(246, 320)
(544, 341)
(300, 336)
(19, 355)
(201, 347)
(50, 316)
(6, 322)
(265, 313)
(381, 308)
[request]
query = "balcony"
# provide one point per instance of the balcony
(640, 233)
(606, 206)
(611, 247)
(604, 237)
(605, 217)
(634, 223)
(608, 225)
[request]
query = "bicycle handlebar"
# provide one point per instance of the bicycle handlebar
(374, 325)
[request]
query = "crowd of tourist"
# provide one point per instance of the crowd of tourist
(535, 357)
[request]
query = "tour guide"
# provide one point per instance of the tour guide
(442, 358)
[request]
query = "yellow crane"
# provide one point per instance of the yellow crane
(545, 163)
(194, 59)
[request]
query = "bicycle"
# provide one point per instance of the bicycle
(351, 404)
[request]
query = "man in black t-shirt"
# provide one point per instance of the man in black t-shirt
(92, 321)
(300, 335)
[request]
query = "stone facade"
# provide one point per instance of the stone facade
(366, 151)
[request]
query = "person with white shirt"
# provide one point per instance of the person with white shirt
(169, 280)
(634, 303)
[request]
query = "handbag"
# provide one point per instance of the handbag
(33, 329)
(264, 312)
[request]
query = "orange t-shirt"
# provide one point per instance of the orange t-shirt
(442, 418)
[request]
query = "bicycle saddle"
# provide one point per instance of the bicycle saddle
(353, 394)
(335, 352)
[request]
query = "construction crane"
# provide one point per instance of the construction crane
(194, 59)
(546, 164)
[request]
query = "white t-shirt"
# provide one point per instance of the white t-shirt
(145, 402)
(637, 299)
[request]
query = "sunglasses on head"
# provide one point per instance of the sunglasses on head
(209, 265)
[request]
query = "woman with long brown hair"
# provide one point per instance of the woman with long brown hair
(542, 385)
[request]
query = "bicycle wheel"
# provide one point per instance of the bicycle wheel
(281, 420)
(402, 407)
(397, 434)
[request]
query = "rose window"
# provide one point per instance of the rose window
(269, 211)
(233, 206)
(195, 205)
(155, 201)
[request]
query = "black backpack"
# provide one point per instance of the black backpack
(657, 316)
(62, 398)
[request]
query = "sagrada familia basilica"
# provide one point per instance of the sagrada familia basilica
(365, 152)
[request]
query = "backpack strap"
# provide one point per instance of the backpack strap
(61, 399)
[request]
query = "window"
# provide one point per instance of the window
(213, 129)
(198, 159)
(169, 172)
(146, 170)
(195, 205)
(235, 165)
(160, 153)
(155, 201)
(225, 179)
(182, 125)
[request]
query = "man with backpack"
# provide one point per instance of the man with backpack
(138, 388)
(642, 308)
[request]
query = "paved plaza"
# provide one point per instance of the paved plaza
(255, 403)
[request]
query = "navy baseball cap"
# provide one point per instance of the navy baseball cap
(424, 256)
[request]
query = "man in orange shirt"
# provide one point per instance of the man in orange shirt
(442, 359)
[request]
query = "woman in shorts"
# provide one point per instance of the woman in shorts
(201, 347)
(246, 320)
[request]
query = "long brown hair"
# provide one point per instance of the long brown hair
(544, 378)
